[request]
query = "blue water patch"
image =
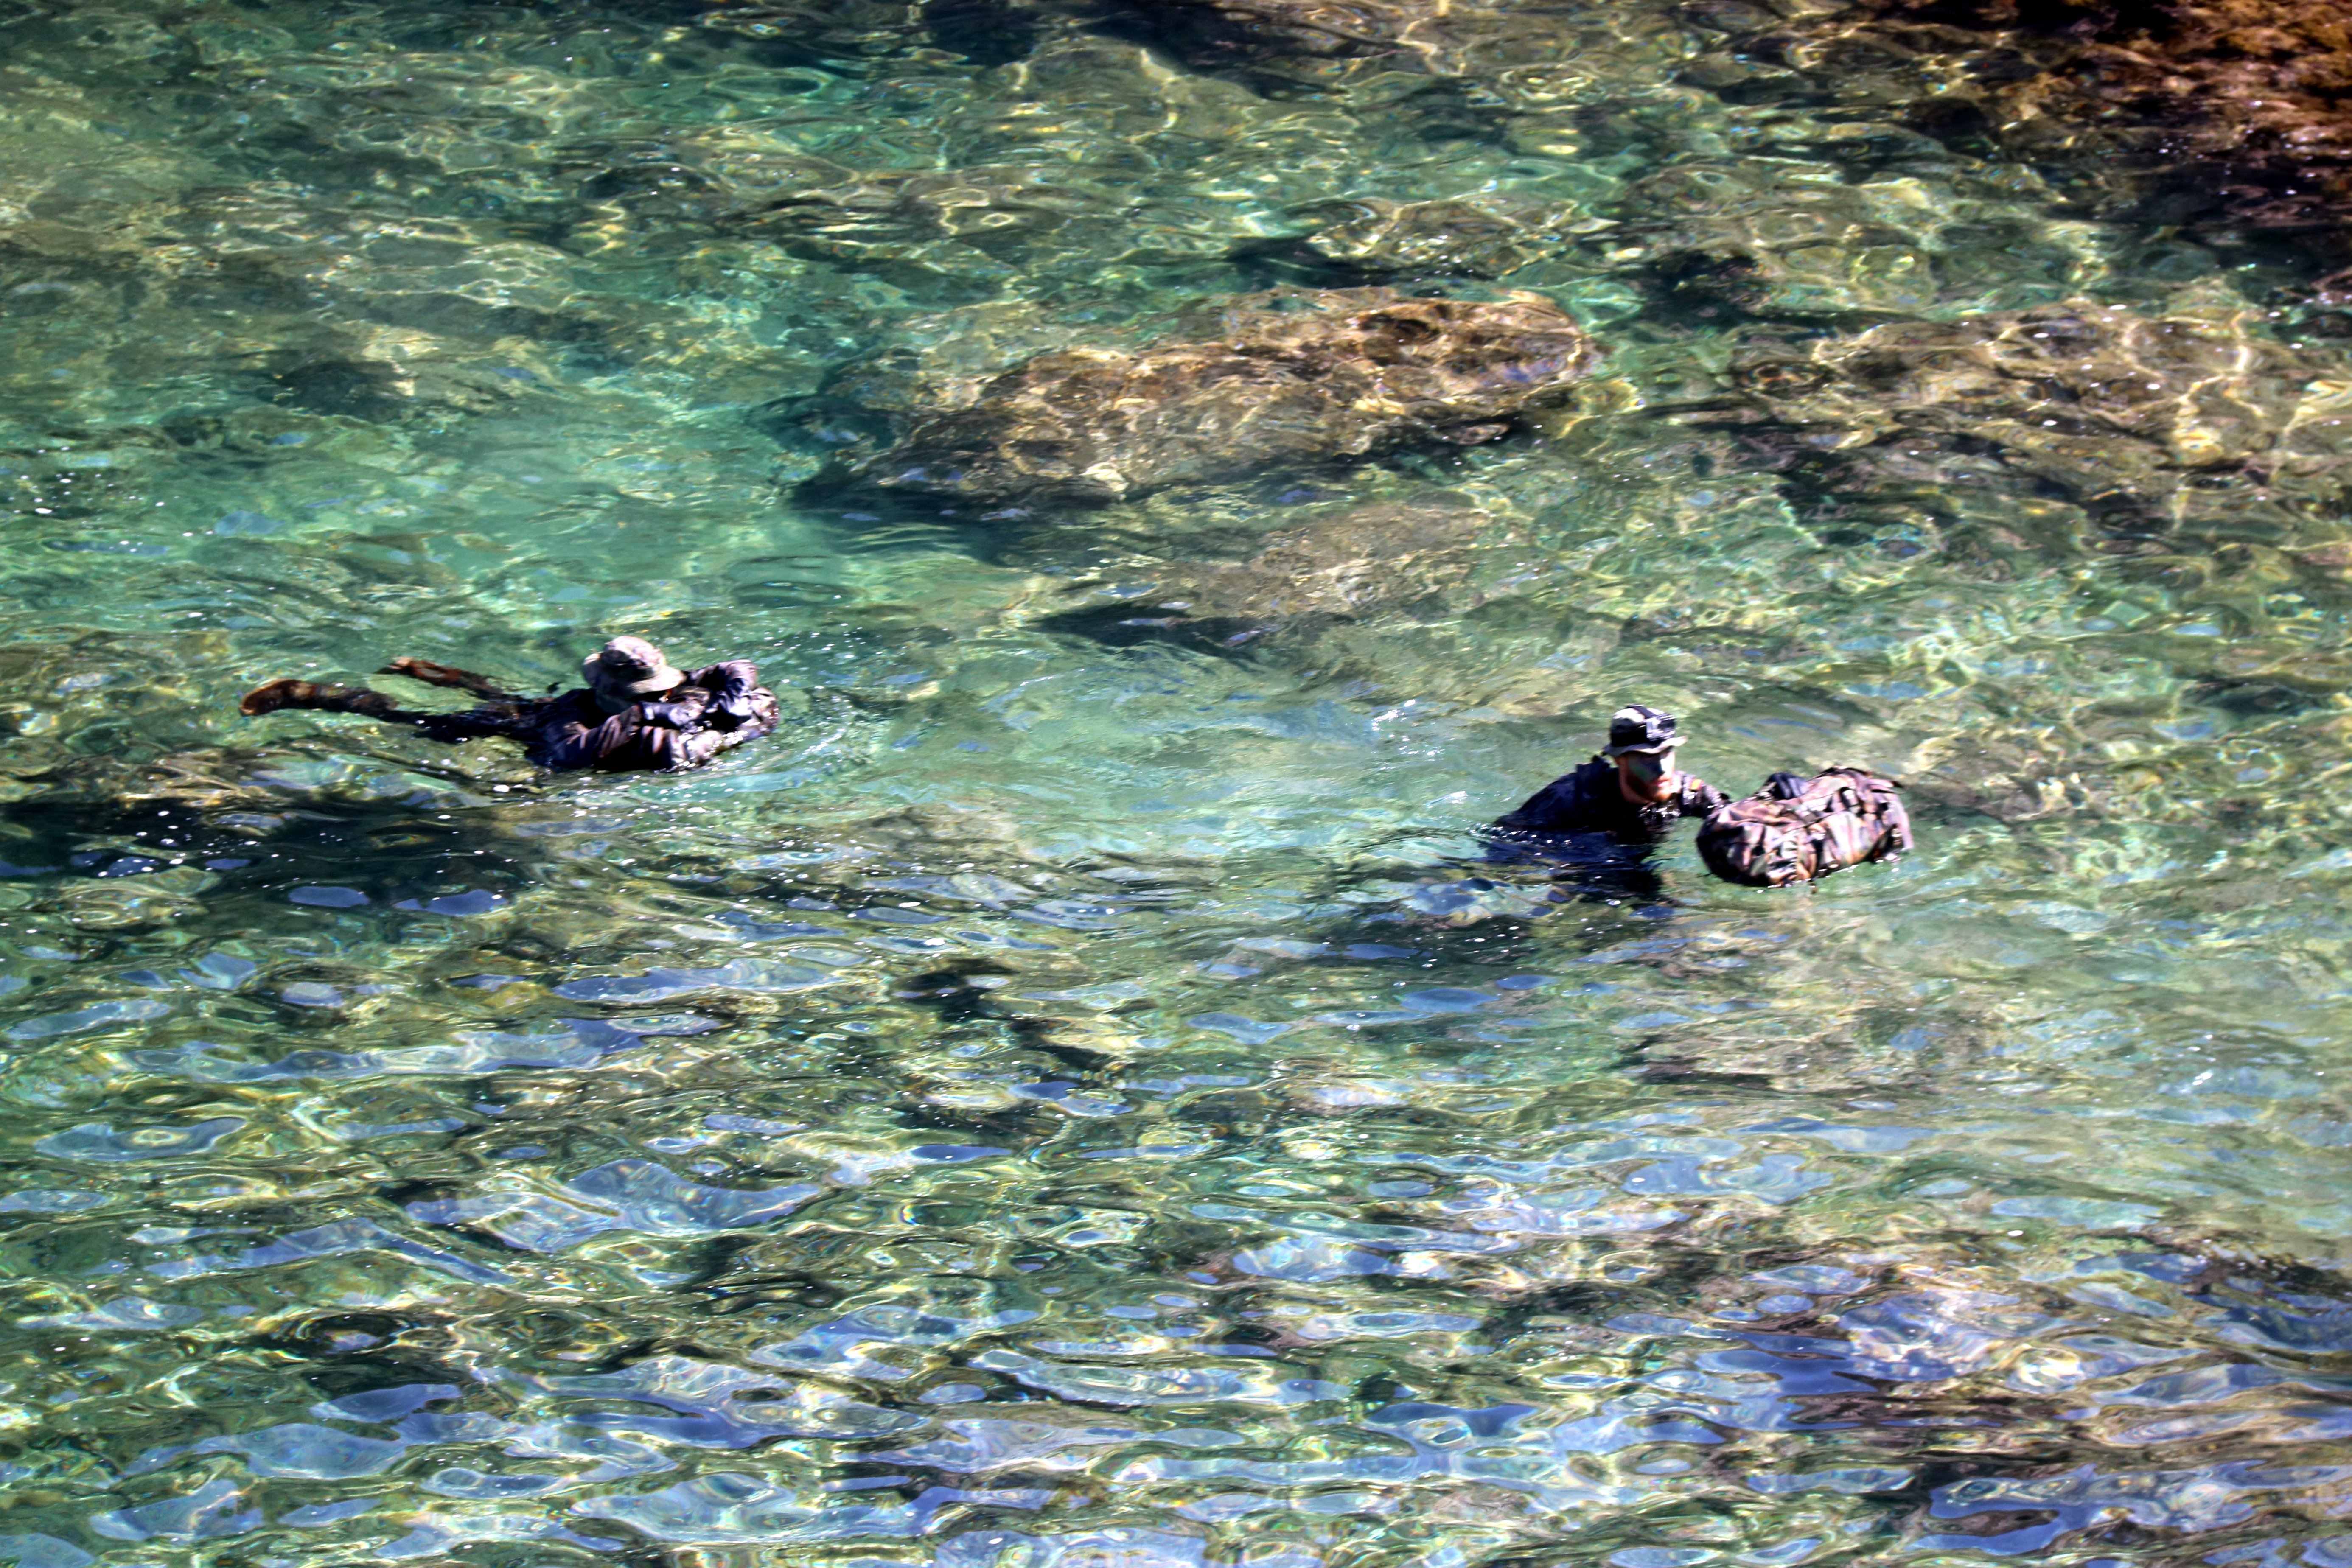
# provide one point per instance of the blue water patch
(328, 897)
(1238, 1027)
(99, 1141)
(83, 1021)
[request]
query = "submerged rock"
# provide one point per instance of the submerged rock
(1336, 42)
(2236, 111)
(1382, 562)
(1470, 236)
(1779, 240)
(2198, 418)
(1273, 381)
(985, 33)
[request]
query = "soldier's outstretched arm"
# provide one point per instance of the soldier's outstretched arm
(290, 693)
(448, 727)
(480, 724)
(451, 676)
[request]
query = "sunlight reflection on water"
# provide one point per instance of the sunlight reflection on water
(1077, 1095)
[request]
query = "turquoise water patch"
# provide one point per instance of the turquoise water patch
(1083, 1094)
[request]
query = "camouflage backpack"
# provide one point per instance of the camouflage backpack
(1795, 829)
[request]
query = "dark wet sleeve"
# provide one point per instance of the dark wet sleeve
(504, 720)
(738, 700)
(662, 750)
(690, 706)
(434, 674)
(502, 723)
(1701, 798)
(569, 744)
(1550, 809)
(450, 728)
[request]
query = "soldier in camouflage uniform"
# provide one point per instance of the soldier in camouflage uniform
(1604, 815)
(1603, 818)
(637, 712)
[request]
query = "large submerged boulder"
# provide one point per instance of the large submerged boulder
(1514, 48)
(1385, 564)
(2179, 111)
(1282, 381)
(2198, 418)
(1781, 239)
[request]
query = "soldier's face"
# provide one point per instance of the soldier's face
(1647, 775)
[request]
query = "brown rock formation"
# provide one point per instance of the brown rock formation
(2167, 112)
(1753, 237)
(1273, 381)
(2197, 418)
(1329, 42)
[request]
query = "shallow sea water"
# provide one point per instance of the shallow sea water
(1075, 1098)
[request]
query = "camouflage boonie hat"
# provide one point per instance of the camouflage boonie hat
(1636, 728)
(630, 667)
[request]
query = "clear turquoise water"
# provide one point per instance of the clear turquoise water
(1071, 1101)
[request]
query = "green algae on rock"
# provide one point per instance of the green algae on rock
(1288, 380)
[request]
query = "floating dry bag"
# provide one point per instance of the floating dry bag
(1798, 829)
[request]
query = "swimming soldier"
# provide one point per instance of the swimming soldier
(1629, 792)
(637, 712)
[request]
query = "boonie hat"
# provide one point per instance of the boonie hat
(630, 667)
(1640, 729)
